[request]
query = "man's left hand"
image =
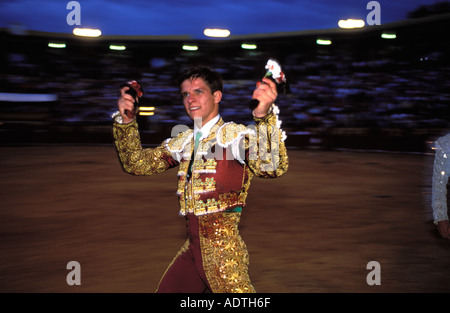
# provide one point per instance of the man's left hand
(266, 94)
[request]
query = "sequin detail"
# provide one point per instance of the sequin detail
(134, 158)
(224, 253)
(263, 154)
(267, 154)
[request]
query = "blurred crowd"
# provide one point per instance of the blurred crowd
(327, 90)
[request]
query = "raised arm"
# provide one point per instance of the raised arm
(266, 153)
(265, 150)
(136, 160)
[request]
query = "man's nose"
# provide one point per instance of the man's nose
(190, 98)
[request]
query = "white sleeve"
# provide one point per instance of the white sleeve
(439, 184)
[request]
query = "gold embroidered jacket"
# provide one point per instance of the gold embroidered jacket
(224, 164)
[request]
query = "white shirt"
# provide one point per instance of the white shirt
(207, 127)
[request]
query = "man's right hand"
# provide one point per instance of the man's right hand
(444, 229)
(125, 102)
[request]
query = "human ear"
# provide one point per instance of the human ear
(217, 96)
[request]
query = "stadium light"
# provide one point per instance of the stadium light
(147, 108)
(146, 111)
(249, 46)
(351, 23)
(190, 47)
(56, 45)
(87, 32)
(323, 42)
(388, 35)
(117, 47)
(214, 32)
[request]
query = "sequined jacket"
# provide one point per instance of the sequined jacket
(224, 164)
(441, 171)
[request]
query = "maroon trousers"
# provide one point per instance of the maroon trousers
(186, 274)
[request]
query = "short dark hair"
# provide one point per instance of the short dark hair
(211, 78)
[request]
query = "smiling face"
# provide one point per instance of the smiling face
(199, 101)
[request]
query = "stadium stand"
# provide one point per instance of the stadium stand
(360, 92)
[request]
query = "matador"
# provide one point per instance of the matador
(216, 162)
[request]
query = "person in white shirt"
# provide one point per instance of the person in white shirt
(441, 171)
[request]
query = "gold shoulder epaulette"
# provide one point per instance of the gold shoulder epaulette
(230, 133)
(178, 143)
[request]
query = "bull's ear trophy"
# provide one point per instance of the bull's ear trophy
(274, 72)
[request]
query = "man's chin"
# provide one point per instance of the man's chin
(195, 116)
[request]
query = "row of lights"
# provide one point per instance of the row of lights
(220, 33)
(61, 45)
(319, 41)
(327, 42)
(245, 46)
(209, 32)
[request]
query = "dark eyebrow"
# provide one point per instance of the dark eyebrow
(184, 92)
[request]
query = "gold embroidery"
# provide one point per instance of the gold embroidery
(194, 204)
(223, 203)
(209, 184)
(267, 151)
(182, 205)
(205, 166)
(230, 132)
(267, 164)
(210, 165)
(198, 164)
(224, 253)
(198, 185)
(181, 142)
(181, 192)
(228, 200)
(211, 204)
(133, 157)
(204, 147)
(200, 207)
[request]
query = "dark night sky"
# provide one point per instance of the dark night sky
(169, 17)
